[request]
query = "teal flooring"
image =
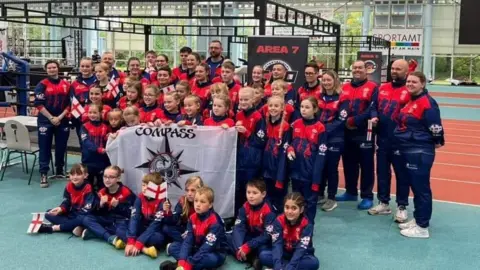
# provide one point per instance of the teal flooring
(460, 113)
(460, 101)
(454, 89)
(344, 239)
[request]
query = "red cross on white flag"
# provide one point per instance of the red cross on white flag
(168, 89)
(113, 87)
(156, 192)
(77, 109)
(37, 221)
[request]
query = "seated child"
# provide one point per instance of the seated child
(175, 225)
(110, 220)
(291, 238)
(205, 243)
(78, 201)
(250, 236)
(141, 235)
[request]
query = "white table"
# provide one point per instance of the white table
(29, 121)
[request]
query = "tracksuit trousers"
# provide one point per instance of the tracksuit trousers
(104, 227)
(67, 222)
(210, 260)
(46, 132)
(359, 155)
(387, 157)
(330, 171)
(307, 262)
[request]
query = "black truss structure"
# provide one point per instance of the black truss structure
(73, 14)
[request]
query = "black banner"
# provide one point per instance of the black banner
(291, 52)
(373, 63)
(469, 21)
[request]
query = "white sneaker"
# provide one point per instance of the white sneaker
(380, 209)
(166, 249)
(401, 215)
(416, 232)
(403, 226)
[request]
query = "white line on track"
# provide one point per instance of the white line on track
(456, 165)
(467, 144)
(459, 153)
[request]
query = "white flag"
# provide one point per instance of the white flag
(177, 154)
(156, 192)
(77, 109)
(113, 87)
(168, 89)
(37, 221)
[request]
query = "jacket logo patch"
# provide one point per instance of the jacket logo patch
(343, 114)
(237, 221)
(211, 238)
(269, 229)
(275, 237)
(40, 96)
(322, 148)
(305, 241)
(42, 129)
(159, 216)
(436, 129)
(261, 134)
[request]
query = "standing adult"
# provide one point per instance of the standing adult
(359, 148)
(392, 97)
(96, 57)
(52, 99)
(312, 86)
(216, 59)
(109, 59)
(418, 133)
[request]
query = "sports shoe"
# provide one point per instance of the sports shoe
(166, 249)
(401, 215)
(412, 223)
(168, 265)
(150, 251)
(365, 204)
(87, 234)
(321, 199)
(256, 264)
(345, 197)
(119, 244)
(380, 209)
(44, 181)
(329, 205)
(78, 231)
(45, 228)
(60, 173)
(416, 232)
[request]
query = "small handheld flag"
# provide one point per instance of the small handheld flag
(113, 87)
(168, 89)
(37, 221)
(77, 109)
(156, 192)
(369, 130)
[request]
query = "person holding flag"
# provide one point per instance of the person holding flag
(109, 87)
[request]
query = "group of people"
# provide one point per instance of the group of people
(286, 136)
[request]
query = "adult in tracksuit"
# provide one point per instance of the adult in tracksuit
(359, 148)
(52, 100)
(392, 97)
(80, 89)
(418, 133)
(333, 112)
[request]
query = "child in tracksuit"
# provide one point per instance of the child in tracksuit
(171, 107)
(333, 112)
(280, 88)
(149, 111)
(192, 116)
(292, 236)
(141, 235)
(94, 136)
(78, 201)
(255, 218)
(307, 155)
(250, 145)
(274, 158)
(110, 220)
(175, 225)
(220, 113)
(205, 243)
(133, 97)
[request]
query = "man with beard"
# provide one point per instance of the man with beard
(109, 59)
(359, 150)
(216, 59)
(392, 97)
(279, 72)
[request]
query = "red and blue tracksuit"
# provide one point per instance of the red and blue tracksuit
(54, 96)
(144, 228)
(215, 67)
(250, 230)
(290, 96)
(216, 121)
(178, 71)
(94, 136)
(109, 220)
(78, 202)
(174, 225)
(202, 90)
(150, 113)
(168, 116)
(359, 152)
(233, 94)
(123, 103)
(290, 113)
(274, 161)
(250, 147)
(392, 97)
(104, 114)
(419, 129)
(80, 89)
(204, 245)
(306, 91)
(190, 120)
(333, 112)
(309, 143)
(292, 246)
(189, 77)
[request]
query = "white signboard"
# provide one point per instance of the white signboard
(408, 42)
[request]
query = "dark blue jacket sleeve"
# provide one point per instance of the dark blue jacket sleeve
(277, 245)
(135, 219)
(301, 247)
(126, 206)
(187, 243)
(282, 157)
(174, 218)
(40, 98)
(67, 202)
(264, 238)
(433, 122)
(211, 243)
(240, 229)
(89, 204)
(87, 143)
(340, 118)
(319, 161)
(370, 112)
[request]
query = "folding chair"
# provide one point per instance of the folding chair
(18, 141)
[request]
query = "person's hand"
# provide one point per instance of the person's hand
(150, 124)
(374, 121)
(157, 123)
(103, 200)
(128, 250)
(241, 256)
(291, 155)
(55, 121)
(241, 129)
(224, 126)
(184, 235)
(181, 123)
(55, 211)
(166, 206)
(134, 252)
(168, 123)
(114, 202)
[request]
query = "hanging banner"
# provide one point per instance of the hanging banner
(178, 153)
(267, 51)
(407, 42)
(373, 63)
(3, 40)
